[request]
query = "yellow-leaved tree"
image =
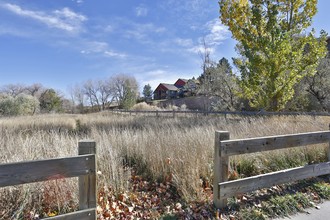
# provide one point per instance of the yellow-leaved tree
(275, 50)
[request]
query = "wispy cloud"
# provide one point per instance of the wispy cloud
(218, 32)
(100, 48)
(7, 30)
(110, 53)
(189, 12)
(215, 34)
(142, 32)
(79, 1)
(108, 29)
(198, 49)
(141, 11)
(64, 19)
(184, 42)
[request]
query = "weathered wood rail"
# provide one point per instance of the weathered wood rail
(82, 166)
(223, 148)
(174, 113)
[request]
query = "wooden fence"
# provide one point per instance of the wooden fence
(82, 166)
(224, 148)
(173, 113)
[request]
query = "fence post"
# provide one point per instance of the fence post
(328, 150)
(221, 167)
(87, 183)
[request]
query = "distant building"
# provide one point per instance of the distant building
(181, 88)
(180, 83)
(166, 91)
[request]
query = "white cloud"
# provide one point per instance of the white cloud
(102, 48)
(111, 53)
(79, 2)
(189, 12)
(96, 46)
(143, 31)
(218, 32)
(200, 49)
(67, 14)
(141, 11)
(109, 29)
(6, 30)
(184, 42)
(64, 19)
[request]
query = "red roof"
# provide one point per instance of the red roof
(170, 87)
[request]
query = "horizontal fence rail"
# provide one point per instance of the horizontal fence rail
(225, 113)
(252, 145)
(224, 148)
(82, 166)
(34, 171)
(232, 188)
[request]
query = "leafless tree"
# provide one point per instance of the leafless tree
(119, 84)
(77, 97)
(206, 77)
(35, 89)
(12, 90)
(104, 92)
(91, 90)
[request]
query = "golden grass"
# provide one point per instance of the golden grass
(154, 146)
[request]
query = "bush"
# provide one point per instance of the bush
(143, 106)
(21, 105)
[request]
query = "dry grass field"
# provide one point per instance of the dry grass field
(175, 151)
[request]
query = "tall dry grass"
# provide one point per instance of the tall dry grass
(155, 147)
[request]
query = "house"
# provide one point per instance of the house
(181, 88)
(180, 83)
(166, 91)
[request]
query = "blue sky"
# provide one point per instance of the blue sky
(63, 42)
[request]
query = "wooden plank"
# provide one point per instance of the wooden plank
(87, 214)
(242, 113)
(328, 148)
(232, 188)
(43, 170)
(251, 145)
(221, 166)
(87, 183)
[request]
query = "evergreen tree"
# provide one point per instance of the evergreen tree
(147, 92)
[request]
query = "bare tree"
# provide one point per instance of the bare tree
(12, 89)
(121, 85)
(35, 89)
(77, 97)
(104, 92)
(206, 76)
(91, 90)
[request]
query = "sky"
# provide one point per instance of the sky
(60, 43)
